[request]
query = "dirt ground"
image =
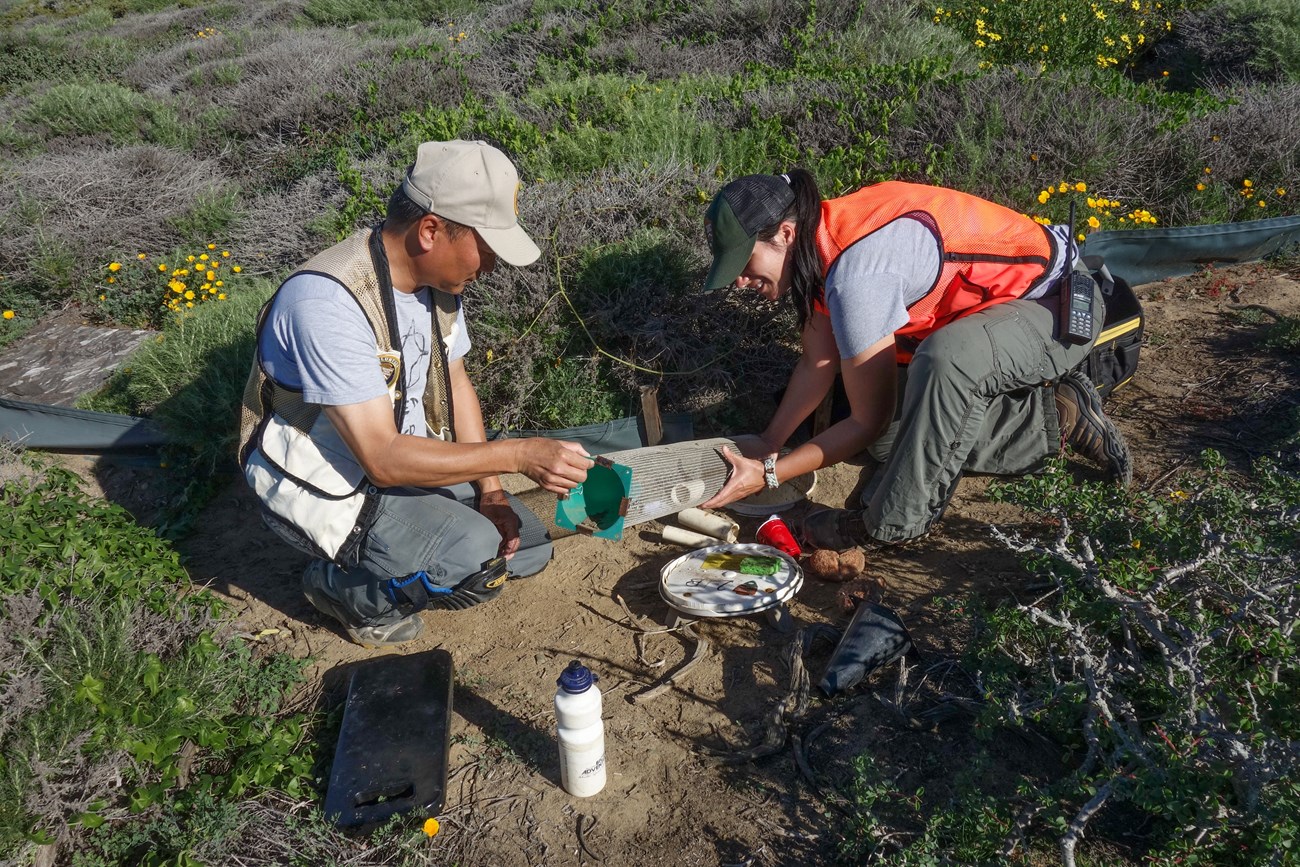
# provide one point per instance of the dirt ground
(1202, 383)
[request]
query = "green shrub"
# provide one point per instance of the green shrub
(1054, 34)
(340, 13)
(109, 109)
(49, 55)
(211, 215)
(1164, 658)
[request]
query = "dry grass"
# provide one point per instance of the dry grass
(1006, 134)
(91, 203)
(1256, 135)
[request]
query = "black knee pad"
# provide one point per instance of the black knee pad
(478, 587)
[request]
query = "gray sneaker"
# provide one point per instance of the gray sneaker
(835, 529)
(315, 586)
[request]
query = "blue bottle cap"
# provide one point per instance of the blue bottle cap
(576, 678)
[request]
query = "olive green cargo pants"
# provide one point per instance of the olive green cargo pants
(979, 396)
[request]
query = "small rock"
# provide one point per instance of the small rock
(854, 593)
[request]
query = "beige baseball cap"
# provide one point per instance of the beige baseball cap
(474, 184)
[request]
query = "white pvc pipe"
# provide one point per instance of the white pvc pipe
(710, 523)
(689, 538)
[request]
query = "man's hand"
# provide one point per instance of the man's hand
(558, 466)
(494, 506)
(746, 478)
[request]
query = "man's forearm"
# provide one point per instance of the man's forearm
(469, 425)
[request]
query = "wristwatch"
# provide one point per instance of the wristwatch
(769, 472)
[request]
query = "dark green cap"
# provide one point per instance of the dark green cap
(738, 214)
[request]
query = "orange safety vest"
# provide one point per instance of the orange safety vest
(988, 254)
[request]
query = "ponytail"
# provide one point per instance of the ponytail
(805, 212)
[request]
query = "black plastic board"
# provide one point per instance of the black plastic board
(392, 751)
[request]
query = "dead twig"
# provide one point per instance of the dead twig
(582, 835)
(702, 648)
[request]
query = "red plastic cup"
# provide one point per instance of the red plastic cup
(775, 533)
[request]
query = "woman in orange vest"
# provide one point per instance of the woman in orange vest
(940, 311)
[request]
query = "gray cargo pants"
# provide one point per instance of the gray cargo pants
(979, 397)
(436, 530)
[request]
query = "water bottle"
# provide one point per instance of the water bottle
(582, 734)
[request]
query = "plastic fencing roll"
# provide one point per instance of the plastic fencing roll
(669, 478)
(638, 485)
(720, 527)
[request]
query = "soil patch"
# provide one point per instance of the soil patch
(1203, 382)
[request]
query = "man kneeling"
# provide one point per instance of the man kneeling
(361, 432)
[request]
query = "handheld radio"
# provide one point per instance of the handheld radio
(1076, 296)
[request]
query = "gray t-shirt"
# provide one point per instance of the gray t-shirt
(871, 285)
(317, 339)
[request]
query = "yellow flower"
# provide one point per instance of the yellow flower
(1063, 188)
(225, 254)
(1034, 157)
(1137, 543)
(176, 286)
(221, 296)
(1262, 203)
(211, 275)
(212, 246)
(1082, 237)
(189, 303)
(1164, 73)
(1248, 183)
(189, 258)
(218, 283)
(1094, 223)
(1281, 191)
(1081, 187)
(162, 267)
(115, 266)
(1178, 495)
(1043, 197)
(101, 296)
(236, 269)
(204, 257)
(141, 255)
(189, 294)
(1207, 170)
(9, 314)
(431, 826)
(1200, 186)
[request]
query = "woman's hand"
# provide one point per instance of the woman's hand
(746, 478)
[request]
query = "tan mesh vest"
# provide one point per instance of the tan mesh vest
(359, 265)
